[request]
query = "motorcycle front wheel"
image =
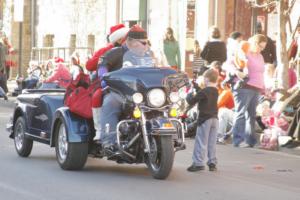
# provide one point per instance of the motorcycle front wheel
(161, 156)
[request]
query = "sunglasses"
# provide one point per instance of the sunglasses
(143, 42)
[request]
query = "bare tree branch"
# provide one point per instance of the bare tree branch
(290, 7)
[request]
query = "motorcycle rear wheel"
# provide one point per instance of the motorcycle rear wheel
(161, 156)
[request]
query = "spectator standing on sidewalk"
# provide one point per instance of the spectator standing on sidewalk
(246, 98)
(215, 48)
(269, 52)
(8, 62)
(206, 135)
(3, 79)
(172, 50)
(199, 65)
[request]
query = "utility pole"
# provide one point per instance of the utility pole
(19, 17)
(20, 49)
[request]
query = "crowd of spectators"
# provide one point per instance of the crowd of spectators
(250, 62)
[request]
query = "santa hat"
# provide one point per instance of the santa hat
(58, 60)
(117, 32)
(136, 32)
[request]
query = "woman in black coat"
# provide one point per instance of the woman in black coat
(214, 49)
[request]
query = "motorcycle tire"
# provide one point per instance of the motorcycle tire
(70, 156)
(160, 159)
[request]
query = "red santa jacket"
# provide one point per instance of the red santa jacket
(61, 75)
(92, 63)
(10, 51)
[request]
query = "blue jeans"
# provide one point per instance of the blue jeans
(205, 143)
(246, 101)
(109, 116)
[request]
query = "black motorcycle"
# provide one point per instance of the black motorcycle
(149, 130)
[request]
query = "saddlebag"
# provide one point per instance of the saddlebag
(78, 96)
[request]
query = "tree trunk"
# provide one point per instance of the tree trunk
(281, 50)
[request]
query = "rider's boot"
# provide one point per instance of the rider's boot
(97, 124)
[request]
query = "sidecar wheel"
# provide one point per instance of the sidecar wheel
(23, 145)
(160, 159)
(70, 156)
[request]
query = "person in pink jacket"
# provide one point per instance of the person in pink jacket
(246, 97)
(60, 75)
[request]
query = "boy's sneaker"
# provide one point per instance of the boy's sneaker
(221, 141)
(212, 167)
(194, 168)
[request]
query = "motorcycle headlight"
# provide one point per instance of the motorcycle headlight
(137, 98)
(174, 97)
(156, 97)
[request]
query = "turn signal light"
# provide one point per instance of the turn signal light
(173, 112)
(137, 113)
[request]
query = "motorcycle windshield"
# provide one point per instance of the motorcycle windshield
(140, 79)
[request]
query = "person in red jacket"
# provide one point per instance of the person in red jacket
(10, 51)
(60, 75)
(116, 37)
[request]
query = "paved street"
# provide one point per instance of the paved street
(243, 174)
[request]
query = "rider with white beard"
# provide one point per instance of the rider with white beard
(135, 56)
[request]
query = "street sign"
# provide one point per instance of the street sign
(18, 10)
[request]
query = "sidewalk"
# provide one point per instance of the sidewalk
(294, 151)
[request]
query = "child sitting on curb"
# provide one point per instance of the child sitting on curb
(207, 128)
